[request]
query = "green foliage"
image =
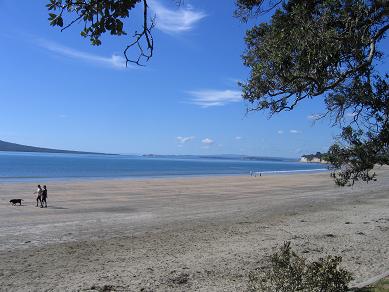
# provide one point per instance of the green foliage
(380, 286)
(289, 272)
(249, 8)
(366, 145)
(326, 275)
(328, 48)
(99, 17)
(283, 274)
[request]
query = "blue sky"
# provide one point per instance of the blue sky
(58, 91)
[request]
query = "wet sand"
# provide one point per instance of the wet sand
(185, 234)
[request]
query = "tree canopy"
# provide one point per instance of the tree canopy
(99, 17)
(329, 49)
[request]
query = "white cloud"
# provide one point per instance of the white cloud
(115, 61)
(295, 132)
(207, 141)
(208, 98)
(238, 138)
(177, 20)
(183, 140)
(314, 117)
(280, 132)
(351, 115)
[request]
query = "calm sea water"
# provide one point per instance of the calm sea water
(32, 166)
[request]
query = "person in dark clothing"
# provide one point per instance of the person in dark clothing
(44, 197)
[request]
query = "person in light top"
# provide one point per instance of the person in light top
(39, 192)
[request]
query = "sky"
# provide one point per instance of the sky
(58, 91)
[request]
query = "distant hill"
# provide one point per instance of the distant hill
(13, 147)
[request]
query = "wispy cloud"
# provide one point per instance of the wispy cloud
(351, 115)
(207, 98)
(295, 132)
(178, 20)
(183, 140)
(207, 141)
(238, 138)
(280, 132)
(115, 61)
(314, 117)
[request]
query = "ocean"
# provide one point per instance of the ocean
(18, 166)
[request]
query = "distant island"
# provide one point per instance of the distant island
(315, 158)
(13, 147)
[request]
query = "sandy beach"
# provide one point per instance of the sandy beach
(185, 234)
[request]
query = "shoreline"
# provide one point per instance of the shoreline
(27, 167)
(143, 178)
(211, 231)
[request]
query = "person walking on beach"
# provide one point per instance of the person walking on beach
(44, 197)
(39, 193)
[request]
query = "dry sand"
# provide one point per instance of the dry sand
(187, 234)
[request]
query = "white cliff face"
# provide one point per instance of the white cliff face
(313, 160)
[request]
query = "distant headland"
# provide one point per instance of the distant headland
(315, 158)
(13, 147)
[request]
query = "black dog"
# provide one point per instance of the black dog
(15, 201)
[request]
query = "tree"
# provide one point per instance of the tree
(101, 16)
(328, 49)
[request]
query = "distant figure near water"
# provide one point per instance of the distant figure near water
(254, 173)
(44, 197)
(39, 192)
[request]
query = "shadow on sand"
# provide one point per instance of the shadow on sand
(56, 208)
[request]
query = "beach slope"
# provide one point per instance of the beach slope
(185, 234)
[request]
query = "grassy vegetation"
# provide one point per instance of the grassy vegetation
(381, 286)
(286, 271)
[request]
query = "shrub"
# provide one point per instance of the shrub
(286, 271)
